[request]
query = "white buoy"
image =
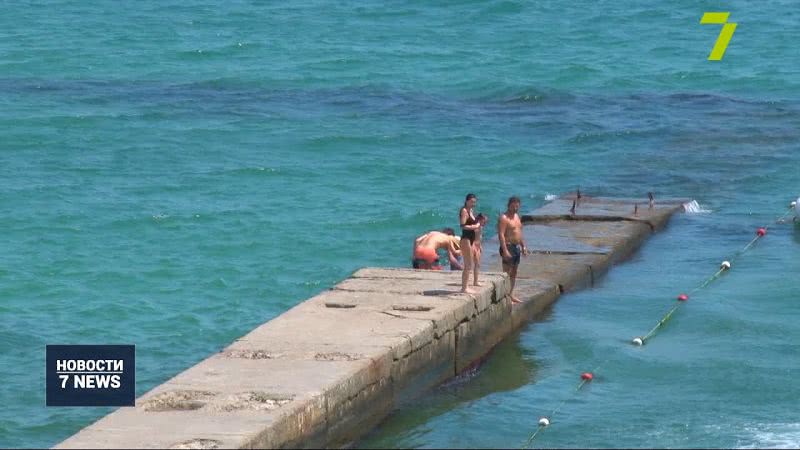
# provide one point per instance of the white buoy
(637, 341)
(543, 422)
(725, 265)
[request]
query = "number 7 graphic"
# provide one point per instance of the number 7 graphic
(724, 36)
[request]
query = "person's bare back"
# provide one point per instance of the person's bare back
(423, 254)
(435, 240)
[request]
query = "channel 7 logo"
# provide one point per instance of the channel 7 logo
(725, 35)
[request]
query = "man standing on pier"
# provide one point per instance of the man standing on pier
(512, 245)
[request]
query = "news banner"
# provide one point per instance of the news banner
(91, 375)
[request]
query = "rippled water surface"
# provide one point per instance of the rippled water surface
(176, 173)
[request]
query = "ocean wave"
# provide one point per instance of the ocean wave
(225, 50)
(256, 170)
(781, 435)
(422, 220)
(603, 136)
(693, 207)
(492, 93)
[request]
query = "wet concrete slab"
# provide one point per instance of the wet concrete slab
(596, 209)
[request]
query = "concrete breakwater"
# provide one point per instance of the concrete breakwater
(328, 370)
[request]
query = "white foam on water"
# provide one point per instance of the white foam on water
(774, 435)
(550, 197)
(694, 208)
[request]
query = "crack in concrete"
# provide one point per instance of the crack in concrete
(565, 252)
(433, 322)
(399, 316)
(415, 308)
(197, 444)
(335, 288)
(340, 305)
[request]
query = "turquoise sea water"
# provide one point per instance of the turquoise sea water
(176, 173)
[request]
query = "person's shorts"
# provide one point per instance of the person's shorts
(425, 258)
(516, 253)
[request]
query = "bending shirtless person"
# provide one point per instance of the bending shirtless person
(512, 245)
(424, 254)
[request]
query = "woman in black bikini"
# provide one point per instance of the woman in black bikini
(468, 227)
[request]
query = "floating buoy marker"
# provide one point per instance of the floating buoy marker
(637, 341)
(725, 265)
(587, 376)
(543, 422)
(761, 232)
(683, 298)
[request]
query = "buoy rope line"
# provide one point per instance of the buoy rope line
(544, 422)
(587, 377)
(724, 267)
(791, 208)
(681, 299)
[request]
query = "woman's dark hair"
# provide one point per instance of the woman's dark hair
(469, 197)
(448, 231)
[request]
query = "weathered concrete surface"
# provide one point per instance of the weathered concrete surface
(606, 209)
(332, 367)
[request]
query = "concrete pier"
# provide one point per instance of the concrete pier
(328, 370)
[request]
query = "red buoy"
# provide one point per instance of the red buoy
(587, 376)
(761, 232)
(683, 298)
